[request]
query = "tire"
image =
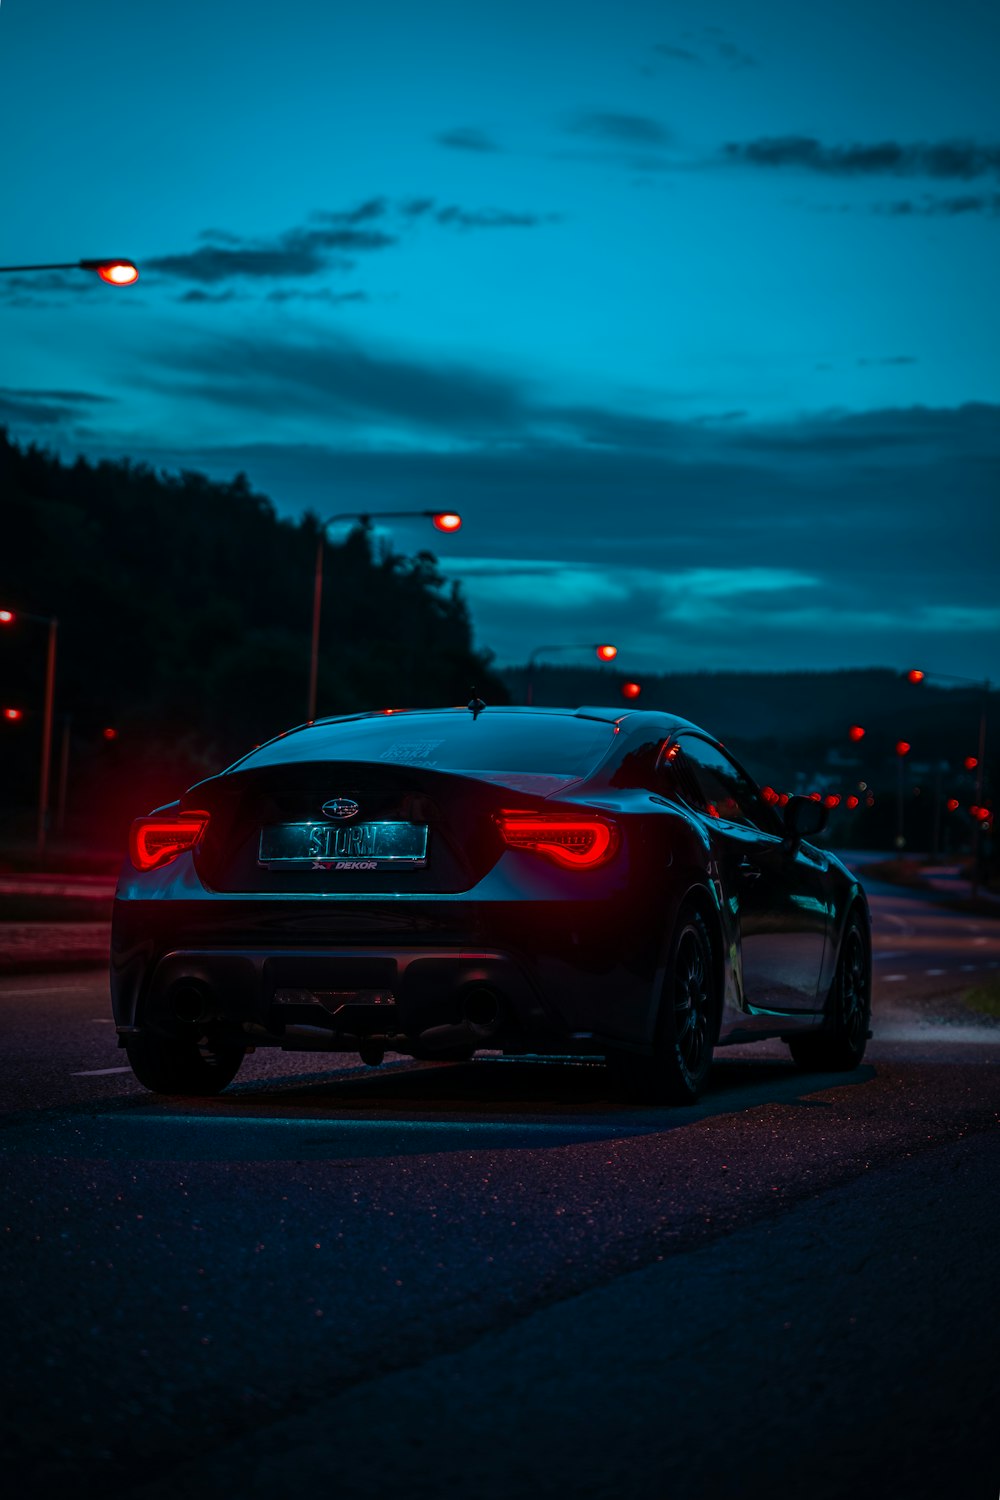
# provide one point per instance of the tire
(686, 1025)
(840, 1045)
(193, 1066)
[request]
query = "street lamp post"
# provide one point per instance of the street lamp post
(916, 676)
(115, 272)
(605, 652)
(444, 520)
(9, 617)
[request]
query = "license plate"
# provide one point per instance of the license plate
(361, 846)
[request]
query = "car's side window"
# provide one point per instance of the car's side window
(716, 785)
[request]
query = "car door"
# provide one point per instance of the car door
(777, 893)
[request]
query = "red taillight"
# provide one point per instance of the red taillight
(580, 843)
(158, 839)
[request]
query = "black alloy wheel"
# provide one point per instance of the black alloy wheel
(194, 1065)
(682, 1051)
(840, 1045)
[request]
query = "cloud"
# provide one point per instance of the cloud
(467, 138)
(961, 160)
(706, 47)
(678, 54)
(491, 218)
(618, 129)
(42, 408)
(930, 207)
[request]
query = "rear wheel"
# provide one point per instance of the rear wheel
(195, 1065)
(840, 1046)
(685, 1038)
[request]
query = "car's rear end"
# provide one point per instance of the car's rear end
(422, 882)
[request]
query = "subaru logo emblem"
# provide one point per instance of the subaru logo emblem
(340, 807)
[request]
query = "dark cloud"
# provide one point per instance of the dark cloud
(678, 54)
(349, 386)
(930, 207)
(298, 253)
(36, 408)
(362, 213)
(961, 160)
(491, 218)
(619, 129)
(467, 138)
(323, 294)
(735, 56)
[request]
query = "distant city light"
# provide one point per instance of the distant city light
(915, 675)
(13, 714)
(903, 747)
(607, 653)
(109, 733)
(970, 762)
(447, 520)
(7, 617)
(855, 732)
(852, 801)
(952, 804)
(631, 689)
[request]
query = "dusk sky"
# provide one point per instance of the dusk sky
(691, 311)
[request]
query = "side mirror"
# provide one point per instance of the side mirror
(804, 818)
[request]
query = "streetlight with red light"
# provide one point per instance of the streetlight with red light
(607, 652)
(915, 675)
(631, 689)
(970, 762)
(443, 520)
(113, 270)
(13, 714)
(9, 617)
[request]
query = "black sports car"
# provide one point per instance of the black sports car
(528, 880)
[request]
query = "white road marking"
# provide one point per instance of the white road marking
(99, 1072)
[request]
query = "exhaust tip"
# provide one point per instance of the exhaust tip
(190, 1002)
(481, 1006)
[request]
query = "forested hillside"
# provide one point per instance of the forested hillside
(184, 611)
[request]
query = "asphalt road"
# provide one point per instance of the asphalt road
(493, 1279)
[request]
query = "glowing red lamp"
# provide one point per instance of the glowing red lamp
(109, 733)
(952, 804)
(116, 272)
(970, 762)
(769, 795)
(578, 843)
(7, 617)
(915, 675)
(631, 689)
(447, 520)
(903, 747)
(852, 801)
(13, 714)
(832, 801)
(158, 839)
(855, 732)
(607, 653)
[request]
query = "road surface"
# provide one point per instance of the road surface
(494, 1279)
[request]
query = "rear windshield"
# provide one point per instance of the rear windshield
(531, 744)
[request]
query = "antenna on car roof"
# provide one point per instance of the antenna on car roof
(475, 704)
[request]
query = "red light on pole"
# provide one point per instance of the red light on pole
(915, 675)
(607, 653)
(631, 689)
(970, 762)
(13, 714)
(447, 520)
(903, 747)
(109, 733)
(115, 272)
(7, 617)
(952, 804)
(855, 732)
